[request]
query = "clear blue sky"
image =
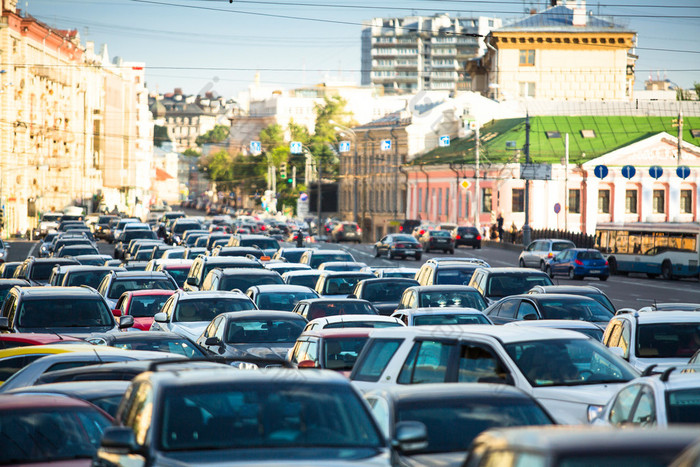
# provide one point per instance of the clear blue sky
(198, 44)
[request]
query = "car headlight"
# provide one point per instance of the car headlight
(594, 411)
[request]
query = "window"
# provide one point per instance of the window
(378, 355)
(575, 201)
(439, 201)
(525, 309)
(658, 205)
(518, 202)
(479, 365)
(686, 201)
(420, 199)
(631, 201)
(620, 411)
(426, 363)
(603, 201)
(645, 412)
(527, 89)
(486, 200)
(527, 57)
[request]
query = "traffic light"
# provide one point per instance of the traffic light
(283, 171)
(289, 180)
(2, 217)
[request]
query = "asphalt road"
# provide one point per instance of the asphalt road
(633, 291)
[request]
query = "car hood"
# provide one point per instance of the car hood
(661, 363)
(438, 459)
(79, 332)
(261, 350)
(192, 330)
(569, 404)
(143, 324)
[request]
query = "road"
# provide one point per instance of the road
(633, 291)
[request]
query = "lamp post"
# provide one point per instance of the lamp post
(339, 127)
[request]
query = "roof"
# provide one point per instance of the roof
(37, 338)
(560, 19)
(555, 323)
(665, 317)
(40, 401)
(447, 310)
(58, 291)
(332, 300)
(149, 292)
(139, 274)
(204, 294)
(445, 287)
(263, 314)
(282, 288)
(502, 333)
(280, 377)
(352, 318)
(81, 389)
(553, 296)
(338, 332)
(567, 288)
(302, 272)
(514, 270)
(247, 271)
(440, 391)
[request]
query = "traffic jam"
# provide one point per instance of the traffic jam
(246, 339)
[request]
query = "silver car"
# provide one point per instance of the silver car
(536, 254)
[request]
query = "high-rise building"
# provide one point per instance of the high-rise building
(416, 53)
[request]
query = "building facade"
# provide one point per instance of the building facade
(415, 53)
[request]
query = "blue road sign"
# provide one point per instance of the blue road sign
(557, 208)
(255, 147)
(444, 141)
(386, 144)
(655, 171)
(344, 146)
(683, 171)
(304, 197)
(600, 171)
(295, 147)
(628, 171)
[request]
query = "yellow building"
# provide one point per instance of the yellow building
(561, 53)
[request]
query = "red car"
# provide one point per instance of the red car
(331, 349)
(21, 339)
(142, 305)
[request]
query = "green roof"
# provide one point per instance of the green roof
(610, 133)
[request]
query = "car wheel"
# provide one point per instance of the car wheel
(603, 278)
(651, 275)
(376, 252)
(549, 272)
(452, 251)
(543, 266)
(612, 264)
(572, 276)
(667, 270)
(521, 263)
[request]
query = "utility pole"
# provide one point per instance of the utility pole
(476, 180)
(318, 196)
(355, 181)
(566, 183)
(294, 177)
(526, 149)
(680, 133)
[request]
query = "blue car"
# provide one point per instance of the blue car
(578, 263)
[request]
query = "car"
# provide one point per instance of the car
(661, 339)
(440, 316)
(141, 305)
(570, 374)
(420, 229)
(496, 283)
(75, 311)
(321, 307)
(92, 260)
(339, 284)
(176, 267)
(101, 227)
(49, 430)
(290, 255)
(441, 296)
(28, 339)
(352, 321)
(578, 263)
(314, 257)
(13, 359)
(7, 284)
(176, 252)
(194, 252)
(115, 283)
(4, 247)
(179, 227)
(406, 273)
(437, 240)
(103, 394)
(258, 334)
(331, 349)
(75, 250)
(671, 307)
(585, 290)
(62, 240)
(536, 254)
(7, 269)
(307, 278)
(241, 251)
(37, 271)
(76, 276)
(273, 417)
(204, 264)
(384, 294)
(548, 306)
(191, 236)
(45, 243)
(453, 415)
(467, 236)
(408, 225)
(240, 278)
(189, 313)
(216, 239)
(49, 223)
(346, 232)
(584, 327)
(443, 271)
(351, 266)
(127, 236)
(153, 341)
(266, 244)
(282, 267)
(141, 249)
(282, 297)
(567, 446)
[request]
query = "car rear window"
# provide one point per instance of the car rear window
(561, 246)
(264, 243)
(242, 283)
(64, 312)
(454, 276)
(120, 286)
(594, 254)
(349, 307)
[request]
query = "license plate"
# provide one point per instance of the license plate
(441, 241)
(469, 236)
(595, 271)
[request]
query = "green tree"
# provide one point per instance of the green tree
(271, 137)
(216, 135)
(696, 85)
(189, 152)
(160, 135)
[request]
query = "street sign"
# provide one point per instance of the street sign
(444, 141)
(295, 147)
(303, 197)
(536, 171)
(344, 146)
(656, 172)
(255, 148)
(628, 171)
(465, 184)
(557, 208)
(600, 171)
(683, 171)
(386, 145)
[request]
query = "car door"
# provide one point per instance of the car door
(383, 246)
(529, 256)
(506, 312)
(527, 308)
(478, 362)
(644, 411)
(556, 265)
(566, 262)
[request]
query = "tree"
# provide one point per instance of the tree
(696, 85)
(160, 135)
(216, 135)
(271, 137)
(189, 152)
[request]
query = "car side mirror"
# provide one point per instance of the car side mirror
(213, 341)
(530, 317)
(116, 312)
(160, 317)
(119, 438)
(4, 323)
(126, 321)
(307, 364)
(410, 437)
(191, 281)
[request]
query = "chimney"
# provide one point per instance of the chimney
(579, 17)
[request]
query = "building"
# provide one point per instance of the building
(561, 53)
(415, 53)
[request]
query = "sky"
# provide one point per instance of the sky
(217, 45)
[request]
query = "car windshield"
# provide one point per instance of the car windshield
(317, 259)
(600, 298)
(177, 346)
(64, 313)
(403, 274)
(120, 286)
(668, 340)
(683, 406)
(343, 285)
(179, 274)
(146, 306)
(293, 256)
(243, 283)
(143, 254)
(348, 307)
(206, 309)
(502, 285)
(363, 324)
(453, 423)
(454, 276)
(404, 238)
(42, 435)
(307, 280)
(265, 415)
(240, 265)
(567, 362)
(384, 291)
(184, 226)
(51, 217)
(283, 301)
(341, 353)
(89, 278)
(574, 308)
(42, 271)
(460, 298)
(263, 243)
(452, 318)
(440, 233)
(252, 331)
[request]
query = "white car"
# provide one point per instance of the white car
(352, 321)
(663, 339)
(440, 316)
(670, 398)
(571, 375)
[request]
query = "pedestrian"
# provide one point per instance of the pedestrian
(499, 221)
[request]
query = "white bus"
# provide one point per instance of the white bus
(671, 250)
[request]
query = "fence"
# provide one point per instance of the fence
(581, 240)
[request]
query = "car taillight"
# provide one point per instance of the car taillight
(401, 228)
(578, 262)
(478, 237)
(550, 254)
(262, 227)
(359, 230)
(399, 245)
(421, 232)
(340, 229)
(606, 263)
(458, 237)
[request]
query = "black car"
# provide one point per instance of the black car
(204, 264)
(384, 294)
(440, 296)
(307, 278)
(548, 306)
(104, 394)
(585, 290)
(102, 226)
(496, 283)
(241, 251)
(239, 278)
(7, 269)
(76, 250)
(7, 283)
(467, 236)
(398, 246)
(290, 255)
(437, 240)
(322, 307)
(38, 270)
(90, 276)
(126, 236)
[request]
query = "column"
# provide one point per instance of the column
(647, 198)
(591, 211)
(674, 195)
(618, 197)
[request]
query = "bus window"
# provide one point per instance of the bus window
(647, 243)
(621, 242)
(601, 241)
(674, 241)
(660, 240)
(689, 243)
(635, 243)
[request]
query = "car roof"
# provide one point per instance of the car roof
(553, 296)
(567, 288)
(280, 377)
(332, 300)
(38, 338)
(262, 314)
(302, 272)
(81, 389)
(81, 267)
(353, 318)
(149, 292)
(60, 291)
(381, 280)
(447, 310)
(439, 391)
(554, 323)
(337, 332)
(503, 334)
(248, 271)
(265, 288)
(139, 336)
(326, 251)
(514, 270)
(138, 274)
(200, 294)
(445, 287)
(326, 272)
(48, 349)
(39, 401)
(665, 317)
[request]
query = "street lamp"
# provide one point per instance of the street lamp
(339, 127)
